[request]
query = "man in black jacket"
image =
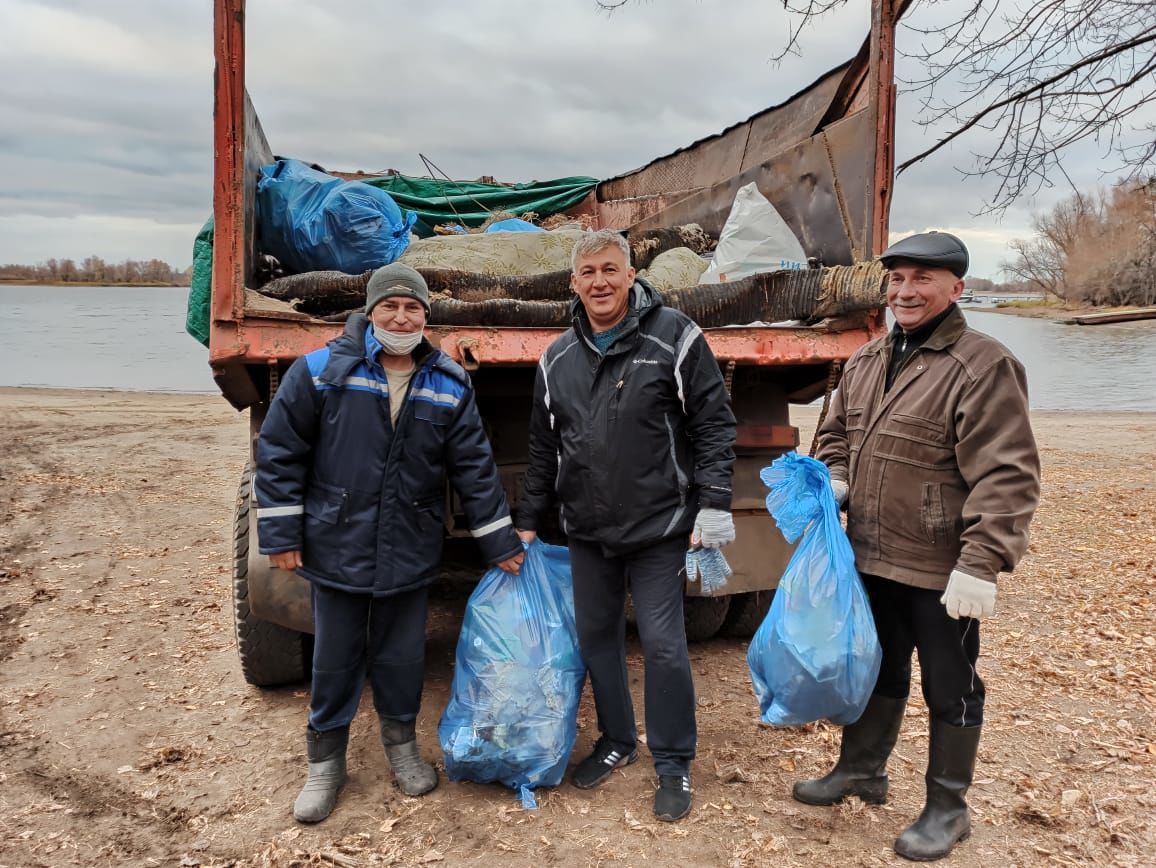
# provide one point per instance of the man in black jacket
(632, 433)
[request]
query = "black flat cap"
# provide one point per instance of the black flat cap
(937, 249)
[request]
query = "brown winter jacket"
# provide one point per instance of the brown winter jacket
(943, 468)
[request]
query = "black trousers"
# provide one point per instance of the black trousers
(909, 618)
(356, 635)
(656, 588)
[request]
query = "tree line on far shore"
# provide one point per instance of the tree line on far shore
(1093, 249)
(93, 269)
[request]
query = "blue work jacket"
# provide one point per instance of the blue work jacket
(362, 501)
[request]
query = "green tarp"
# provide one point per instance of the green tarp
(471, 202)
(201, 285)
(435, 202)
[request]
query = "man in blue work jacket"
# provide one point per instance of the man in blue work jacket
(352, 463)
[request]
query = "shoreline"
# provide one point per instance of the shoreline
(1036, 311)
(1053, 311)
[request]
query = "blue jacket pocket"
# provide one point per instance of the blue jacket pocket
(325, 503)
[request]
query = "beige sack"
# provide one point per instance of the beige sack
(675, 269)
(509, 254)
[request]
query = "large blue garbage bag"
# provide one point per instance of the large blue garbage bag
(816, 655)
(312, 221)
(512, 715)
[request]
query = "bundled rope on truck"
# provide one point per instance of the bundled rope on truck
(326, 292)
(807, 295)
(319, 292)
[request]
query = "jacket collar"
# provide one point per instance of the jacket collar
(948, 331)
(357, 344)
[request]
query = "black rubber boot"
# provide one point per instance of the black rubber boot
(414, 776)
(326, 774)
(945, 820)
(862, 767)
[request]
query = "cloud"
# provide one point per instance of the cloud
(107, 142)
(108, 104)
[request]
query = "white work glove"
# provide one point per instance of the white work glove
(839, 488)
(968, 597)
(713, 528)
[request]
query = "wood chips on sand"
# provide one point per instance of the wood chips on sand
(127, 736)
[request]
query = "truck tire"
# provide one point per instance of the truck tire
(271, 655)
(746, 613)
(704, 616)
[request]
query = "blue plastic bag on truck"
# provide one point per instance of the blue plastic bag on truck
(312, 221)
(513, 710)
(816, 654)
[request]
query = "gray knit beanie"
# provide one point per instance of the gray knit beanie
(396, 279)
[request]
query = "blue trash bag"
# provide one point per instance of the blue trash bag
(513, 224)
(816, 655)
(312, 221)
(513, 710)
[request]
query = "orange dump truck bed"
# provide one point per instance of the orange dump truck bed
(823, 158)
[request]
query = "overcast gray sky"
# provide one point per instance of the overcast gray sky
(106, 137)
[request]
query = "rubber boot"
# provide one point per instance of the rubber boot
(414, 776)
(326, 774)
(862, 767)
(945, 820)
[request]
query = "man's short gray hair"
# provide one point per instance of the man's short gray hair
(592, 242)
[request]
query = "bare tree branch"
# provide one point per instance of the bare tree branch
(1041, 75)
(1038, 87)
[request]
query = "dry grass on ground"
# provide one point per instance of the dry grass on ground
(128, 737)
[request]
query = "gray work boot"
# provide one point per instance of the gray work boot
(862, 767)
(326, 774)
(414, 776)
(945, 820)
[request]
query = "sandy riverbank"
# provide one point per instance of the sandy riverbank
(129, 737)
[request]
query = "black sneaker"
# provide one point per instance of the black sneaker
(672, 801)
(597, 767)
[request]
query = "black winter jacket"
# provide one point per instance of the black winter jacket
(632, 443)
(363, 503)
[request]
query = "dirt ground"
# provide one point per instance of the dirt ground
(128, 737)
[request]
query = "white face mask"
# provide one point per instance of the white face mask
(398, 343)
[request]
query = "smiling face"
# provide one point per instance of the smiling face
(918, 293)
(398, 314)
(603, 280)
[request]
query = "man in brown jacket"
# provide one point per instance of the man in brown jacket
(930, 446)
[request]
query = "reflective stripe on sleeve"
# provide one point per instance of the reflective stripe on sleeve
(278, 511)
(491, 527)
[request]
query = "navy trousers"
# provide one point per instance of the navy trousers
(356, 635)
(656, 588)
(909, 618)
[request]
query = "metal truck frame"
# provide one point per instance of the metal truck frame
(823, 158)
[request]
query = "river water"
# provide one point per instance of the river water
(134, 339)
